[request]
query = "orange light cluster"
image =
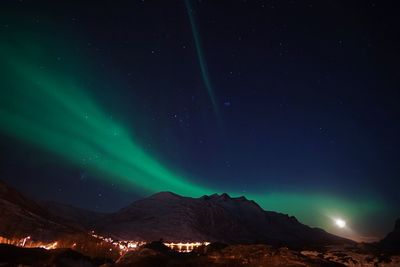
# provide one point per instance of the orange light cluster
(122, 245)
(126, 245)
(186, 247)
(28, 243)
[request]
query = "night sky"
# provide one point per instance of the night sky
(294, 104)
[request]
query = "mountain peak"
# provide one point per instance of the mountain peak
(223, 196)
(165, 195)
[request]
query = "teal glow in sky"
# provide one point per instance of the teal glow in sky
(50, 109)
(201, 57)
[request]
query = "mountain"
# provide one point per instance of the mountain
(21, 217)
(73, 215)
(209, 218)
(236, 221)
(392, 240)
(163, 215)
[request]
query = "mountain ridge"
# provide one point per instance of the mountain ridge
(392, 239)
(166, 215)
(21, 217)
(215, 217)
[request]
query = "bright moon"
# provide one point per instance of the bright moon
(340, 223)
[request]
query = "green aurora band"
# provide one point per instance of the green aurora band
(53, 113)
(50, 110)
(200, 57)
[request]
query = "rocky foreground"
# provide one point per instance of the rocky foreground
(216, 254)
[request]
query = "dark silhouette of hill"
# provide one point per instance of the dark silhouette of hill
(392, 240)
(245, 234)
(21, 217)
(72, 215)
(210, 218)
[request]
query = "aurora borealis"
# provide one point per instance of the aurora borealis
(128, 101)
(67, 122)
(200, 56)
